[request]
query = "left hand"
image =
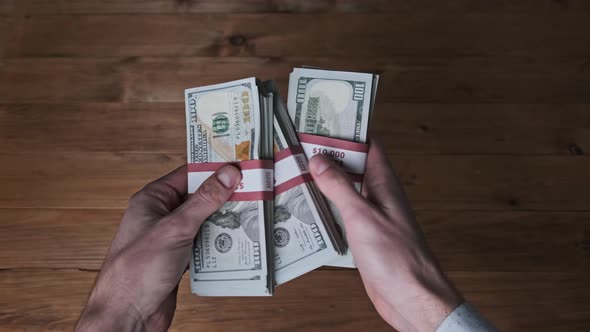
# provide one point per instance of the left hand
(137, 286)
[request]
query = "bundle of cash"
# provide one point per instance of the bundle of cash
(305, 233)
(257, 241)
(333, 104)
(249, 246)
(232, 253)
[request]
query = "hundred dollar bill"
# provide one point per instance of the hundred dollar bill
(301, 241)
(335, 104)
(229, 252)
(331, 103)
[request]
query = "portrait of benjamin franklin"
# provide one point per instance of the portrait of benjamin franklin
(292, 203)
(238, 214)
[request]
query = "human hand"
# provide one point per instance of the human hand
(400, 274)
(137, 286)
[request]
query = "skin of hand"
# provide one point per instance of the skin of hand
(137, 286)
(400, 274)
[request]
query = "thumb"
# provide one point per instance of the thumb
(184, 221)
(335, 184)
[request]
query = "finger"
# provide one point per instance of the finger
(335, 184)
(177, 179)
(380, 183)
(148, 205)
(210, 197)
(162, 195)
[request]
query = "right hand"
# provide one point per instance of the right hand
(400, 274)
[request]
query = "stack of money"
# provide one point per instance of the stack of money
(232, 253)
(305, 233)
(334, 104)
(250, 246)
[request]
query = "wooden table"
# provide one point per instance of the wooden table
(483, 108)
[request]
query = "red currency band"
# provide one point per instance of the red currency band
(333, 142)
(280, 155)
(292, 183)
(246, 164)
(252, 196)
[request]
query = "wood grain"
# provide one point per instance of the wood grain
(106, 180)
(509, 241)
(403, 79)
(483, 108)
(56, 238)
(6, 7)
(58, 79)
(405, 129)
(5, 30)
(351, 36)
(90, 180)
(463, 241)
(291, 6)
(321, 301)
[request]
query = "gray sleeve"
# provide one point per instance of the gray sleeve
(465, 318)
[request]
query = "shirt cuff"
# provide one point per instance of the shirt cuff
(465, 318)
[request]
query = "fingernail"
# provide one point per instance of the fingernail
(319, 164)
(228, 176)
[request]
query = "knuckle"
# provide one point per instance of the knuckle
(137, 197)
(152, 191)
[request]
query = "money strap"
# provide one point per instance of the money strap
(256, 184)
(290, 169)
(352, 156)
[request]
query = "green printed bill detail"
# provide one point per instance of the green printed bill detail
(222, 122)
(223, 125)
(332, 104)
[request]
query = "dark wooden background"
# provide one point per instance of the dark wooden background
(483, 107)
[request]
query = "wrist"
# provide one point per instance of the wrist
(434, 299)
(417, 299)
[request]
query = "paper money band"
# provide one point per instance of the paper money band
(256, 184)
(352, 156)
(290, 169)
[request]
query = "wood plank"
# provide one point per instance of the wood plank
(494, 182)
(56, 238)
(289, 6)
(5, 29)
(403, 79)
(463, 241)
(450, 183)
(89, 180)
(315, 35)
(516, 129)
(86, 127)
(509, 241)
(6, 7)
(405, 129)
(316, 302)
(529, 301)
(59, 79)
(319, 301)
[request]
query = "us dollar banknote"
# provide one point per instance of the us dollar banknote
(301, 241)
(331, 103)
(229, 255)
(334, 104)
